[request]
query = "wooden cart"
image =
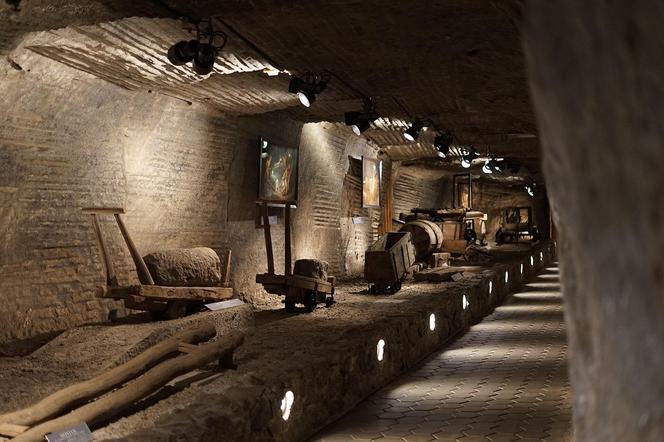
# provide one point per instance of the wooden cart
(163, 302)
(388, 262)
(296, 289)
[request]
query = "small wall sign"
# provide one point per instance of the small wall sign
(78, 433)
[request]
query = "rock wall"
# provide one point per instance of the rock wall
(187, 177)
(596, 79)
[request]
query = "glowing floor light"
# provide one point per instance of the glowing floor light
(522, 269)
(541, 256)
(380, 350)
(490, 287)
(464, 302)
(532, 261)
(507, 276)
(287, 404)
(432, 322)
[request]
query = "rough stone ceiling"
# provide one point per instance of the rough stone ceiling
(456, 62)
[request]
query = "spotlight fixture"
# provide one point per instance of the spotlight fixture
(530, 191)
(487, 167)
(199, 52)
(414, 130)
(307, 87)
(442, 143)
(361, 121)
(183, 52)
(469, 157)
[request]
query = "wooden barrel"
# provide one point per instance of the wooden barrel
(426, 237)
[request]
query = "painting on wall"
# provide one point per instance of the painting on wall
(371, 172)
(278, 173)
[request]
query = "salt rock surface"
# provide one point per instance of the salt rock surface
(196, 267)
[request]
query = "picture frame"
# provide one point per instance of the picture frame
(278, 173)
(371, 182)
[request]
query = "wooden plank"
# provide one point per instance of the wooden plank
(301, 282)
(103, 210)
(141, 303)
(268, 240)
(163, 293)
(60, 401)
(12, 430)
(142, 270)
(112, 403)
(288, 265)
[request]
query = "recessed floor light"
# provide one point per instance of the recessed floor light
(380, 350)
(507, 276)
(490, 287)
(464, 302)
(432, 322)
(287, 404)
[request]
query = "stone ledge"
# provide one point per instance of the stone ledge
(330, 365)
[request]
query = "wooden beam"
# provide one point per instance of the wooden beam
(227, 272)
(288, 265)
(112, 403)
(11, 430)
(268, 240)
(163, 293)
(111, 278)
(142, 270)
(60, 401)
(102, 210)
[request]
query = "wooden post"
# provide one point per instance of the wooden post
(287, 242)
(227, 273)
(268, 240)
(142, 270)
(111, 278)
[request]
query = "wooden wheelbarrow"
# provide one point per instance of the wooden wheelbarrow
(163, 302)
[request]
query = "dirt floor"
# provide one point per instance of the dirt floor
(81, 353)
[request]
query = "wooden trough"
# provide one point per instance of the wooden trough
(163, 302)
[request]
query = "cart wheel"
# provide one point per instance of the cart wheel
(176, 309)
(289, 305)
(310, 302)
(329, 301)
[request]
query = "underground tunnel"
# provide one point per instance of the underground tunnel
(331, 220)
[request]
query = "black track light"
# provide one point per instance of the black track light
(442, 143)
(469, 157)
(414, 130)
(307, 87)
(204, 59)
(361, 121)
(202, 55)
(183, 52)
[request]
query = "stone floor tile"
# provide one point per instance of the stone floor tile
(506, 379)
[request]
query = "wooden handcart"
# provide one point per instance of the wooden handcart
(162, 301)
(296, 289)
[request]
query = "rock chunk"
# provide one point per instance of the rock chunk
(197, 267)
(312, 268)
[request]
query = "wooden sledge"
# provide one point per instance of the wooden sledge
(295, 288)
(130, 382)
(163, 302)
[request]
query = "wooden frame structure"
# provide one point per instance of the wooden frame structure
(167, 302)
(295, 288)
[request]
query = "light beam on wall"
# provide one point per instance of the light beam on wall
(380, 349)
(432, 322)
(287, 404)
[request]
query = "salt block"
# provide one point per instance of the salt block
(197, 267)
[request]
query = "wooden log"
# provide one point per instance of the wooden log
(60, 400)
(11, 430)
(142, 270)
(268, 240)
(151, 381)
(163, 293)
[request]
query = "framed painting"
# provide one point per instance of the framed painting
(371, 176)
(277, 182)
(462, 187)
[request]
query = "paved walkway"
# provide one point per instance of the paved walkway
(505, 380)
